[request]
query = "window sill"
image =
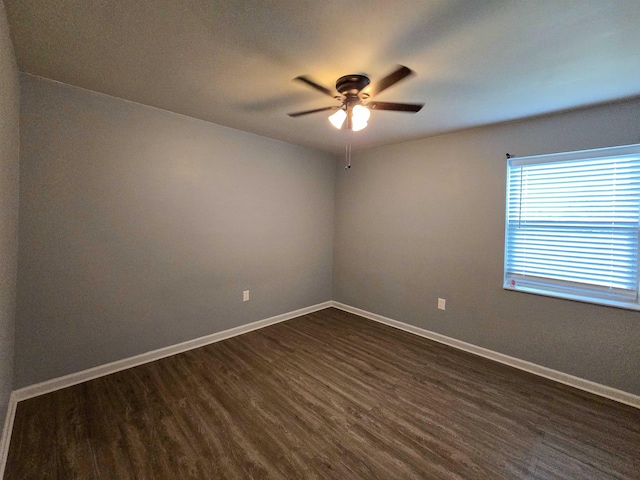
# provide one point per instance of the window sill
(576, 298)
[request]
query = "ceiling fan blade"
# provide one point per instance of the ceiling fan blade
(313, 84)
(396, 107)
(391, 79)
(307, 112)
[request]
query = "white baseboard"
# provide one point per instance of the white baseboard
(6, 432)
(113, 367)
(577, 382)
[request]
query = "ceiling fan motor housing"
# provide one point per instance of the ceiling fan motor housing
(351, 84)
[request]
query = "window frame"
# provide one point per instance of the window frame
(560, 288)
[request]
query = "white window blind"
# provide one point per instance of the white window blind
(572, 225)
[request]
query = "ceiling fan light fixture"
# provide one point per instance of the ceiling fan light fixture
(338, 118)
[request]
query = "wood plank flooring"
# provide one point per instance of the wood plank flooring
(324, 396)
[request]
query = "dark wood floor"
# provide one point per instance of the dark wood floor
(326, 395)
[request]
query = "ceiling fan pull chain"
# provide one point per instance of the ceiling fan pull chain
(348, 152)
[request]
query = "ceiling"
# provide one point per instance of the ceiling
(232, 62)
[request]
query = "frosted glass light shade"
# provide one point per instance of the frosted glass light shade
(359, 118)
(338, 118)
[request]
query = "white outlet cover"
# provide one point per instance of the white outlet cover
(441, 303)
(245, 296)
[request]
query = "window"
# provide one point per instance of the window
(572, 225)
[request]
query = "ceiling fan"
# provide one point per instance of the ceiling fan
(355, 105)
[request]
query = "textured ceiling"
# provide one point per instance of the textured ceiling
(232, 62)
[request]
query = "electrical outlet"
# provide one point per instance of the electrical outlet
(441, 303)
(245, 296)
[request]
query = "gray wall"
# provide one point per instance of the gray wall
(9, 161)
(140, 229)
(425, 219)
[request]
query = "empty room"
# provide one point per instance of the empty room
(288, 239)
